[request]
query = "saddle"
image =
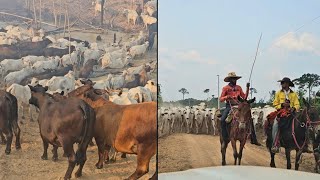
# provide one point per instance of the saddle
(232, 114)
(282, 116)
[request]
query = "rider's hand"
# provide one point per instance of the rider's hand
(248, 85)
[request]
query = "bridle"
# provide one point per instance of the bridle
(308, 124)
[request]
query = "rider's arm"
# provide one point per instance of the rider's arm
(223, 96)
(276, 101)
(296, 103)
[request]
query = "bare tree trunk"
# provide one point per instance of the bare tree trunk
(60, 13)
(65, 23)
(54, 12)
(102, 12)
(40, 9)
(34, 13)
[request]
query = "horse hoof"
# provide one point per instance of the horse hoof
(7, 152)
(54, 159)
(44, 157)
(78, 174)
(99, 166)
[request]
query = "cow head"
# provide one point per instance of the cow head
(37, 93)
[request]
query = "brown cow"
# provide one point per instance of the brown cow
(87, 69)
(63, 123)
(9, 119)
(130, 129)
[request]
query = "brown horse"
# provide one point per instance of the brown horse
(238, 129)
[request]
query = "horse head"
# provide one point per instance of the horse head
(311, 116)
(244, 112)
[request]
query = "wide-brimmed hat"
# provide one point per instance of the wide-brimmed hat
(231, 75)
(288, 80)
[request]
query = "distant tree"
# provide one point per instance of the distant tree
(183, 91)
(272, 96)
(206, 91)
(308, 81)
(252, 90)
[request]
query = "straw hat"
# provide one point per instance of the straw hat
(230, 76)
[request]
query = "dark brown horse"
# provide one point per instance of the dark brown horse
(293, 133)
(64, 123)
(238, 129)
(9, 120)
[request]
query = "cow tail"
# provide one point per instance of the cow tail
(87, 114)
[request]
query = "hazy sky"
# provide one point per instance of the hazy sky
(200, 39)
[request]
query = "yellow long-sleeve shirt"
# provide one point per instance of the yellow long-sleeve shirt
(280, 98)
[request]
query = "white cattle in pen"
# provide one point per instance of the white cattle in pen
(66, 83)
(118, 81)
(91, 54)
(150, 7)
(18, 76)
(188, 117)
(10, 65)
(30, 60)
(139, 50)
(49, 64)
(152, 86)
(135, 41)
(141, 94)
(148, 20)
(70, 59)
(115, 59)
(23, 95)
(104, 83)
(122, 99)
(131, 15)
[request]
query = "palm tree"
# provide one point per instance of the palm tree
(183, 91)
(207, 92)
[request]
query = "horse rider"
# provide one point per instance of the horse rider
(229, 95)
(287, 100)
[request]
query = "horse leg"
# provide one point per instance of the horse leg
(101, 153)
(144, 154)
(106, 154)
(235, 152)
(288, 158)
(3, 139)
(68, 149)
(45, 150)
(224, 146)
(298, 156)
(55, 153)
(272, 163)
(242, 143)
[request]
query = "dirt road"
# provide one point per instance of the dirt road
(180, 152)
(26, 163)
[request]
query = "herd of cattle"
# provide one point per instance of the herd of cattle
(200, 119)
(56, 79)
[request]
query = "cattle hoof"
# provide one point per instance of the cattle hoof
(18, 147)
(44, 157)
(7, 152)
(99, 166)
(123, 156)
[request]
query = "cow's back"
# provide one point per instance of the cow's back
(138, 125)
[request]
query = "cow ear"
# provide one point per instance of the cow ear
(31, 88)
(46, 88)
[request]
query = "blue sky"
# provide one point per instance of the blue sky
(200, 39)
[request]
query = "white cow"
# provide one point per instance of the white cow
(152, 86)
(66, 83)
(9, 65)
(143, 94)
(18, 76)
(139, 50)
(131, 15)
(23, 95)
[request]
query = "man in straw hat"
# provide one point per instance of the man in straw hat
(230, 94)
(285, 99)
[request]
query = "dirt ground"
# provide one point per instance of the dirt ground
(27, 163)
(179, 152)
